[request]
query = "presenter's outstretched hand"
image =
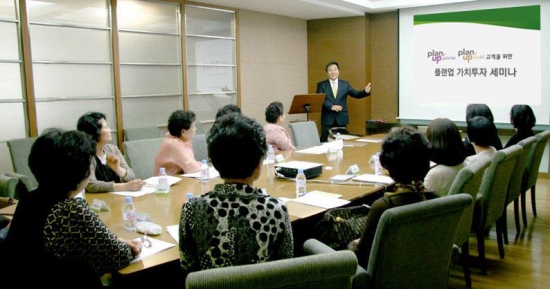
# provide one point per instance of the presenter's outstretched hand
(367, 88)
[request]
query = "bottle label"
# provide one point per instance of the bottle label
(162, 188)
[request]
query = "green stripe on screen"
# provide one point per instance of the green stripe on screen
(524, 17)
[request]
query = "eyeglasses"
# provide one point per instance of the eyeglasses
(145, 241)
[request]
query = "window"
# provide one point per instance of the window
(150, 61)
(71, 61)
(211, 60)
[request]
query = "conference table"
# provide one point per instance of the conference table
(165, 210)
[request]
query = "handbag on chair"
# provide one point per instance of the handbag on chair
(341, 225)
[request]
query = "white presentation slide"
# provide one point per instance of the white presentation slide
(493, 52)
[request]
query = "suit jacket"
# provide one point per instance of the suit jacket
(344, 89)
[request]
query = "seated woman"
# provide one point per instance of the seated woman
(406, 156)
(523, 119)
(480, 131)
(236, 223)
(176, 153)
(227, 109)
(275, 134)
(56, 236)
(481, 109)
(110, 172)
(446, 150)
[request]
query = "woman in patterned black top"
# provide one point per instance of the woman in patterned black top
(55, 238)
(236, 223)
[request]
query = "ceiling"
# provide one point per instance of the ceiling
(320, 9)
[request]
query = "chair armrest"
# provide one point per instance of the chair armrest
(313, 246)
(26, 184)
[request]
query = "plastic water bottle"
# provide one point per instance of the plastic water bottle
(339, 141)
(270, 154)
(270, 163)
(378, 170)
(301, 189)
(205, 173)
(189, 196)
(129, 214)
(163, 188)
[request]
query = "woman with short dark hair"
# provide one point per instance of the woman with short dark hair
(55, 232)
(110, 172)
(275, 134)
(523, 119)
(481, 109)
(480, 132)
(406, 156)
(446, 150)
(235, 223)
(176, 153)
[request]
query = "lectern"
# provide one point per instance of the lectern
(306, 103)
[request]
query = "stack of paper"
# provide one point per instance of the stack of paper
(369, 140)
(155, 247)
(154, 181)
(370, 178)
(321, 199)
(149, 188)
(212, 173)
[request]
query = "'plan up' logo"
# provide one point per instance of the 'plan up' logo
(469, 55)
(438, 56)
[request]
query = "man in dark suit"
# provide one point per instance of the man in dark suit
(335, 108)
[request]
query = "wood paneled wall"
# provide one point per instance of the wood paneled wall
(385, 56)
(366, 49)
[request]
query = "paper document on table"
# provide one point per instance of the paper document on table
(340, 178)
(348, 136)
(212, 173)
(316, 150)
(325, 194)
(174, 231)
(321, 199)
(144, 191)
(155, 247)
(152, 182)
(284, 200)
(373, 140)
(370, 178)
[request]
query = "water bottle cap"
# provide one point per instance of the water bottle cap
(162, 170)
(300, 171)
(189, 196)
(128, 199)
(204, 161)
(337, 133)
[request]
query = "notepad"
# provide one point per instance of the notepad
(152, 182)
(156, 247)
(378, 179)
(340, 178)
(173, 230)
(212, 174)
(369, 140)
(321, 199)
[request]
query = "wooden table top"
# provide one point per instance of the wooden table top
(166, 210)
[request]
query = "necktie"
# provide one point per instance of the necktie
(334, 88)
